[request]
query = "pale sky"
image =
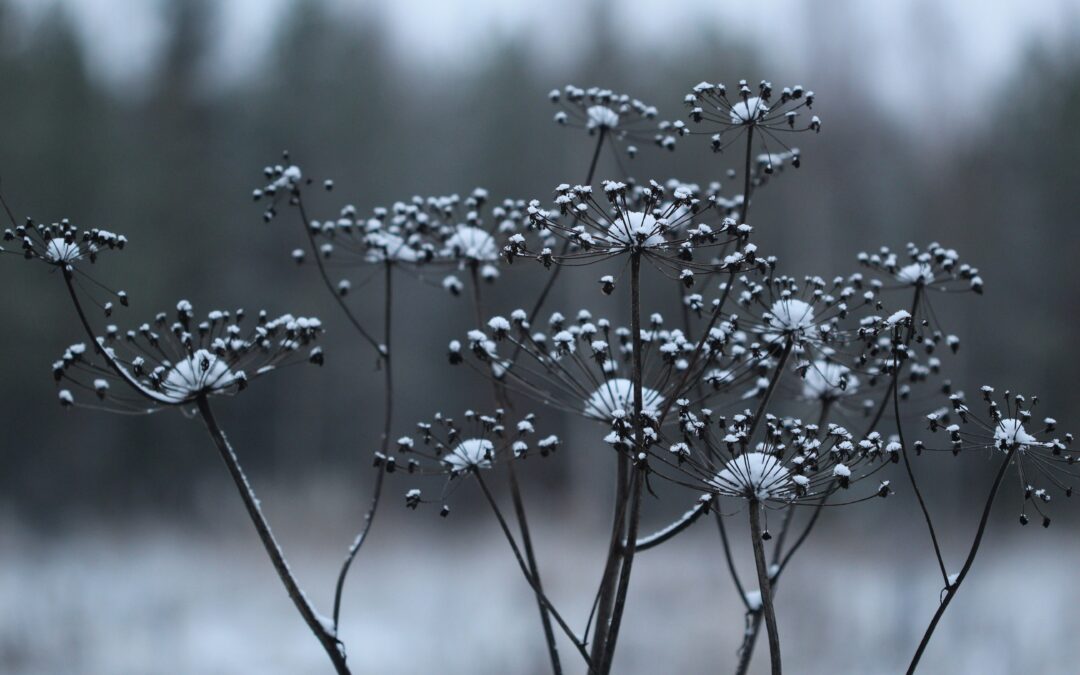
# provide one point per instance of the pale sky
(907, 52)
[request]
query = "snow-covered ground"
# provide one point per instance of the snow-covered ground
(157, 597)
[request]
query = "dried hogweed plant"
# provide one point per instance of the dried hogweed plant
(769, 395)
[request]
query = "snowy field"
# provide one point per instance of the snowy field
(154, 597)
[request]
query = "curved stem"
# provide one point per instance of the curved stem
(542, 298)
(322, 629)
(747, 186)
(968, 562)
(500, 399)
(379, 349)
(637, 468)
(116, 367)
(388, 422)
(915, 487)
(765, 586)
(528, 576)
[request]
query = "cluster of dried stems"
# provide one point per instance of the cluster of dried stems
(637, 452)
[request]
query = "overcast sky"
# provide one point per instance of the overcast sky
(906, 52)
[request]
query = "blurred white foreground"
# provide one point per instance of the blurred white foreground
(446, 597)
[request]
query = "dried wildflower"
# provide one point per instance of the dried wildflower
(443, 447)
(584, 366)
(793, 463)
(624, 120)
(167, 364)
(759, 114)
(812, 315)
(445, 230)
(677, 229)
(937, 268)
(61, 244)
(1041, 456)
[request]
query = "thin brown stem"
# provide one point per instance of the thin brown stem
(952, 588)
(528, 576)
(321, 628)
(765, 586)
(388, 422)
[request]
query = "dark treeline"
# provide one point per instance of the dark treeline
(172, 165)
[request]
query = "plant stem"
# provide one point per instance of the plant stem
(765, 585)
(330, 284)
(388, 422)
(528, 577)
(518, 500)
(637, 468)
(542, 298)
(747, 187)
(951, 589)
(318, 626)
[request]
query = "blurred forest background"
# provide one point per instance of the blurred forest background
(169, 152)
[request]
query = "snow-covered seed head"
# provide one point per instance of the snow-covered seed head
(624, 121)
(791, 316)
(163, 364)
(1010, 433)
(616, 396)
(916, 274)
(754, 475)
(601, 117)
(471, 243)
(60, 251)
(828, 381)
(749, 111)
(201, 373)
(636, 229)
(472, 453)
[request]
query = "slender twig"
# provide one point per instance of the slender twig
(952, 588)
(915, 488)
(528, 576)
(730, 559)
(500, 398)
(747, 183)
(388, 422)
(325, 276)
(765, 586)
(542, 298)
(122, 372)
(322, 628)
(637, 478)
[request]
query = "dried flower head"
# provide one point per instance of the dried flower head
(675, 227)
(446, 448)
(759, 112)
(1041, 456)
(163, 363)
(622, 119)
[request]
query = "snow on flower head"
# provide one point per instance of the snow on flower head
(601, 116)
(750, 110)
(1011, 432)
(634, 228)
(621, 119)
(60, 251)
(772, 115)
(60, 243)
(916, 274)
(617, 395)
(828, 380)
(385, 246)
(754, 475)
(790, 315)
(163, 363)
(471, 243)
(202, 372)
(473, 453)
